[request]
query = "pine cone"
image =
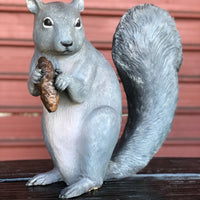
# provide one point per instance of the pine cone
(48, 94)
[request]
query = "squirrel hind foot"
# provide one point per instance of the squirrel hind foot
(79, 188)
(45, 178)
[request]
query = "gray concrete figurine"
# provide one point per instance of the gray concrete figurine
(82, 134)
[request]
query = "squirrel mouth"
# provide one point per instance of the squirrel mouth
(66, 51)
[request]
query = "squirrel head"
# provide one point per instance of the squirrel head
(58, 26)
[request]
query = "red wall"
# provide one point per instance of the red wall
(20, 113)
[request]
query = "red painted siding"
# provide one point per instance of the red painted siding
(20, 113)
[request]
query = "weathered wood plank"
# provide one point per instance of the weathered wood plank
(189, 95)
(97, 28)
(132, 188)
(184, 127)
(179, 148)
(15, 93)
(26, 126)
(178, 5)
(24, 138)
(20, 126)
(156, 181)
(17, 58)
(28, 168)
(24, 150)
(190, 66)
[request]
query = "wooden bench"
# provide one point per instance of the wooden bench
(163, 178)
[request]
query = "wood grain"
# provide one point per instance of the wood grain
(178, 5)
(16, 58)
(98, 28)
(163, 178)
(26, 169)
(15, 93)
(24, 137)
(27, 126)
(20, 113)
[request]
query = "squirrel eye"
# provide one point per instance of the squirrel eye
(47, 22)
(78, 23)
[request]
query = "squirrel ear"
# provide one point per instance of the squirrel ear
(78, 4)
(34, 5)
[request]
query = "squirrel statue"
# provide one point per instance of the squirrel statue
(82, 134)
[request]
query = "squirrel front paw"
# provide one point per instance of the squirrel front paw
(62, 81)
(37, 76)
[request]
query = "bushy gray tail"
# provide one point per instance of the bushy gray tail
(147, 52)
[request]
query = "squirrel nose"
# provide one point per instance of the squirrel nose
(67, 43)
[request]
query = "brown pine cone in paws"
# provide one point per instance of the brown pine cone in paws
(49, 95)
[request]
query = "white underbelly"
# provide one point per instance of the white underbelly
(61, 131)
